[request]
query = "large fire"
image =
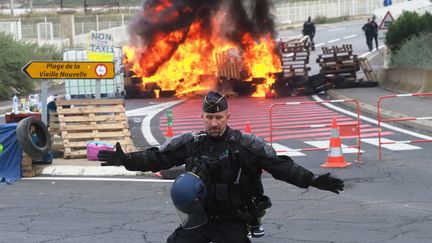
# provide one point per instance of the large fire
(185, 60)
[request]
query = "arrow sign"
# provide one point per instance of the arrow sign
(69, 70)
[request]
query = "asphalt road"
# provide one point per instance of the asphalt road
(384, 201)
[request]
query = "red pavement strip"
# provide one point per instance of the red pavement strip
(186, 118)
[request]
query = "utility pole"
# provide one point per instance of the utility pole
(12, 7)
(61, 4)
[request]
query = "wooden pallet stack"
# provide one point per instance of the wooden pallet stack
(295, 56)
(339, 60)
(82, 121)
(54, 129)
(27, 166)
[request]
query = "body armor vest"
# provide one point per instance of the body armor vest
(217, 163)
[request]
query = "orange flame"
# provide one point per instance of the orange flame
(193, 65)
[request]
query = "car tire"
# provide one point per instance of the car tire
(43, 146)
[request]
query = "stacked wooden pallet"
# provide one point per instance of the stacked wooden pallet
(339, 60)
(82, 121)
(27, 166)
(295, 56)
(54, 129)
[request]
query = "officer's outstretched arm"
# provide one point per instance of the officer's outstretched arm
(262, 156)
(285, 169)
(172, 152)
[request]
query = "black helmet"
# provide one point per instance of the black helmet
(188, 193)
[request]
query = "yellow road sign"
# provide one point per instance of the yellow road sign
(69, 70)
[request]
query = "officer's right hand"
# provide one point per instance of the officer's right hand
(112, 158)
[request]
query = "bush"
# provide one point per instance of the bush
(408, 25)
(15, 55)
(416, 52)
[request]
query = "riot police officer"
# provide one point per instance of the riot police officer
(228, 162)
(309, 30)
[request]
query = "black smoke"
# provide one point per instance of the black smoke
(165, 16)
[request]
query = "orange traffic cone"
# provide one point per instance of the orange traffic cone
(169, 133)
(248, 128)
(335, 157)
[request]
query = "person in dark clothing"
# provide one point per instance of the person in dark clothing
(368, 29)
(229, 163)
(375, 32)
(309, 30)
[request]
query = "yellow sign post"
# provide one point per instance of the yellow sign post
(69, 70)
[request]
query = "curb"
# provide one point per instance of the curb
(372, 110)
(76, 170)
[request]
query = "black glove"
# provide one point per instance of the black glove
(113, 158)
(328, 183)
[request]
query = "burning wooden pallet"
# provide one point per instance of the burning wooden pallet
(295, 56)
(82, 121)
(229, 65)
(339, 60)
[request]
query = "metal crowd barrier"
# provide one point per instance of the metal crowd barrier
(381, 120)
(346, 129)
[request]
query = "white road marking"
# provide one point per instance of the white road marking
(418, 135)
(335, 40)
(392, 147)
(325, 144)
(284, 150)
(349, 37)
(337, 29)
(149, 109)
(96, 179)
(365, 54)
(319, 44)
(149, 112)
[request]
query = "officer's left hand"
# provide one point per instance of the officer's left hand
(328, 183)
(112, 158)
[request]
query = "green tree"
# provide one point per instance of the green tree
(409, 24)
(15, 54)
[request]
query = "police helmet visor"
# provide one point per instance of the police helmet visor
(191, 215)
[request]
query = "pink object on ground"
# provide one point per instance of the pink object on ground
(94, 147)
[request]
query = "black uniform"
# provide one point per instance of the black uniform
(375, 32)
(228, 166)
(369, 31)
(309, 30)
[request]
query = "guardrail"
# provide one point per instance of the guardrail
(346, 129)
(381, 120)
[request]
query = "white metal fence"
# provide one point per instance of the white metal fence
(298, 11)
(47, 30)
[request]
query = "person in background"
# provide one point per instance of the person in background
(375, 32)
(368, 29)
(309, 30)
(227, 165)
